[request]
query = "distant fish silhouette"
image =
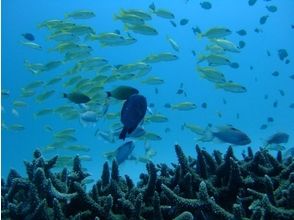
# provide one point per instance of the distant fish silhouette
(28, 36)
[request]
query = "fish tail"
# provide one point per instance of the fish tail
(65, 95)
(123, 133)
(126, 27)
(152, 6)
(201, 58)
(208, 136)
(88, 37)
(218, 85)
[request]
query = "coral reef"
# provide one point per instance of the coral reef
(209, 187)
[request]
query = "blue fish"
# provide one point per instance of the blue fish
(227, 134)
(123, 152)
(132, 113)
(28, 36)
(231, 135)
(278, 138)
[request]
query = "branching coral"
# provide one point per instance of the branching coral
(208, 187)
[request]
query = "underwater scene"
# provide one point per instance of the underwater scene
(158, 110)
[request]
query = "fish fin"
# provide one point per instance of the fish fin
(126, 27)
(130, 130)
(109, 155)
(96, 132)
(83, 106)
(149, 110)
(207, 136)
(123, 133)
(152, 6)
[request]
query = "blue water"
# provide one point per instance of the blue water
(23, 16)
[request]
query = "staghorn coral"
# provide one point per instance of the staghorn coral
(208, 187)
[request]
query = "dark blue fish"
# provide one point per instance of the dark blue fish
(196, 30)
(205, 5)
(282, 53)
(252, 2)
(282, 93)
(151, 105)
(278, 138)
(173, 23)
(229, 134)
(180, 91)
(268, 53)
(204, 105)
(263, 127)
(235, 65)
(28, 36)
(242, 44)
(263, 19)
(275, 73)
(241, 32)
(132, 113)
(123, 152)
(184, 21)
